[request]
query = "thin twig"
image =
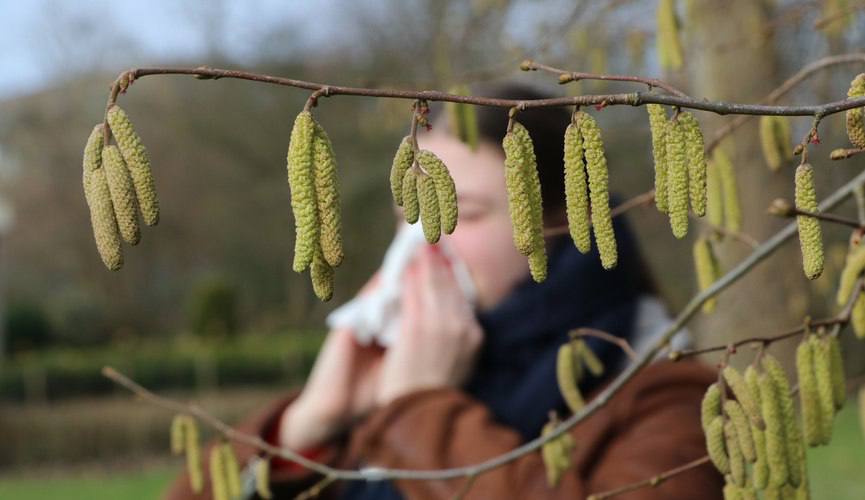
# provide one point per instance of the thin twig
(783, 208)
(844, 153)
(316, 489)
(653, 481)
(575, 76)
(609, 337)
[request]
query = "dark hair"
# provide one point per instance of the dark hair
(546, 126)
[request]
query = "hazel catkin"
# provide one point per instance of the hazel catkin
(138, 161)
(706, 265)
(599, 196)
(402, 161)
(775, 140)
(658, 127)
(856, 116)
(710, 406)
(836, 361)
(524, 198)
(809, 398)
(696, 156)
(429, 208)
(262, 478)
(122, 194)
(218, 479)
(102, 218)
(792, 433)
(734, 452)
(410, 204)
(327, 198)
(669, 45)
(822, 366)
(231, 470)
(776, 447)
(857, 317)
(853, 267)
(177, 431)
(321, 275)
(301, 181)
(677, 179)
(743, 395)
(810, 234)
(444, 187)
(193, 454)
(743, 429)
(715, 444)
(93, 149)
(568, 375)
(730, 190)
(576, 189)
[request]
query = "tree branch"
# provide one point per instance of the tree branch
(653, 481)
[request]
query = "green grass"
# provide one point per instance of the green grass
(837, 471)
(146, 484)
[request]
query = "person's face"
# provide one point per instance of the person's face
(484, 235)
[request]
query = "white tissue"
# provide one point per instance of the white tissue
(375, 315)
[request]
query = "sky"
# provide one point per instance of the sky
(45, 39)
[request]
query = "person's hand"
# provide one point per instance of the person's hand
(439, 338)
(341, 388)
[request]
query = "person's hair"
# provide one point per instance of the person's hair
(546, 126)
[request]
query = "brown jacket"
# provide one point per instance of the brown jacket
(651, 425)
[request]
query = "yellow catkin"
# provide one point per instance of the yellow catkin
(429, 208)
(587, 357)
(737, 384)
(668, 42)
(193, 454)
(839, 381)
(401, 163)
(776, 447)
(599, 195)
(321, 275)
(695, 151)
(568, 376)
(138, 161)
(658, 127)
(822, 362)
(734, 452)
(810, 234)
(262, 479)
(556, 453)
(677, 179)
(462, 118)
(715, 444)
(714, 196)
(218, 479)
(809, 400)
(93, 149)
(518, 167)
(710, 407)
(327, 198)
(730, 190)
(760, 470)
(731, 491)
(301, 181)
(410, 205)
(707, 269)
(122, 194)
(533, 182)
(538, 264)
(853, 267)
(232, 470)
(444, 187)
(177, 432)
(775, 140)
(576, 189)
(856, 116)
(743, 429)
(792, 431)
(858, 317)
(102, 219)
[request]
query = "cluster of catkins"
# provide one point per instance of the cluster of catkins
(118, 183)
(421, 184)
(680, 166)
(314, 189)
(573, 357)
(856, 116)
(224, 469)
(556, 453)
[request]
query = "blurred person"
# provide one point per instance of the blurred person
(462, 383)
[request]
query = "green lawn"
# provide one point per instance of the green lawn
(837, 473)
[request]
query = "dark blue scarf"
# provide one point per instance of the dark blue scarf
(515, 375)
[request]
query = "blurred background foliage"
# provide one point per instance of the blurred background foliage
(207, 301)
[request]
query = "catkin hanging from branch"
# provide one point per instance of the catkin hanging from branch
(730, 190)
(775, 141)
(301, 181)
(677, 179)
(658, 127)
(429, 208)
(327, 198)
(809, 399)
(743, 429)
(569, 372)
(715, 444)
(668, 42)
(599, 195)
(262, 479)
(402, 161)
(576, 188)
(462, 118)
(791, 432)
(695, 151)
(853, 267)
(138, 161)
(445, 189)
(810, 234)
(122, 194)
(856, 116)
(411, 206)
(556, 453)
(98, 197)
(707, 268)
(825, 389)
